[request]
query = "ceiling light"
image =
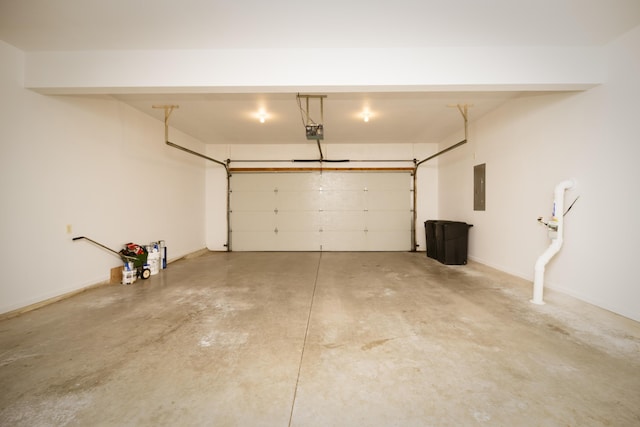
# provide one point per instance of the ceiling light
(366, 114)
(262, 116)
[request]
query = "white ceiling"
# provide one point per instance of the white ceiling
(394, 117)
(34, 25)
(88, 25)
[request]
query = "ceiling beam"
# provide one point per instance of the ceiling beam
(316, 70)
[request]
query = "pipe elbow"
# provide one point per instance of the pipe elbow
(546, 256)
(565, 185)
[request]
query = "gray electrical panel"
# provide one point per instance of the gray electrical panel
(479, 187)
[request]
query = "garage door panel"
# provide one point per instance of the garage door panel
(389, 220)
(272, 241)
(343, 200)
(252, 240)
(253, 201)
(253, 221)
(299, 200)
(294, 181)
(343, 181)
(298, 221)
(388, 200)
(385, 181)
(343, 220)
(254, 182)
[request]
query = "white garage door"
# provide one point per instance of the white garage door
(321, 211)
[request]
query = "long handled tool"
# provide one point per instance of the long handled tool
(139, 261)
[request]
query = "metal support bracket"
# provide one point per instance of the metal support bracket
(168, 109)
(464, 110)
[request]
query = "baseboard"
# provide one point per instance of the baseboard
(194, 254)
(43, 303)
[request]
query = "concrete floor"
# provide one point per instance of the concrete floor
(310, 339)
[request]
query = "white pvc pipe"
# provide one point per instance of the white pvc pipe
(556, 243)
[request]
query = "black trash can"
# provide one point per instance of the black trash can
(430, 232)
(447, 241)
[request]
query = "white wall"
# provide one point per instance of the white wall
(532, 143)
(95, 164)
(427, 182)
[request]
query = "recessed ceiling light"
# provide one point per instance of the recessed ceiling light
(262, 115)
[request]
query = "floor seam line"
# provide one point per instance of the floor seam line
(304, 342)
